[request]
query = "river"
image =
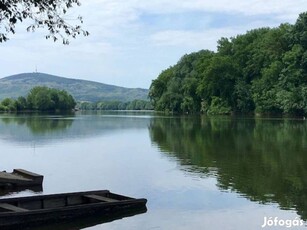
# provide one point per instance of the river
(196, 172)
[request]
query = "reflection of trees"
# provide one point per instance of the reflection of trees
(43, 128)
(38, 124)
(265, 160)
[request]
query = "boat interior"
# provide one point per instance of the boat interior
(57, 201)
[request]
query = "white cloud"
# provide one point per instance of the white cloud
(197, 40)
(131, 41)
(251, 7)
(122, 19)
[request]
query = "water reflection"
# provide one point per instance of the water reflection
(39, 125)
(34, 129)
(83, 222)
(43, 129)
(264, 160)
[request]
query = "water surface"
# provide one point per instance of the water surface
(196, 172)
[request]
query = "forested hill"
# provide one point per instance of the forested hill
(262, 71)
(20, 85)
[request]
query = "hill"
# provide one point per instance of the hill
(82, 90)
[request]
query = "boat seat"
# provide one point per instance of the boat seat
(100, 198)
(13, 208)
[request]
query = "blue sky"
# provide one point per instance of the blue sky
(132, 41)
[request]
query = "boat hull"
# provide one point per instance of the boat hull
(20, 178)
(36, 216)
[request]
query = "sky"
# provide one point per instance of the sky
(132, 41)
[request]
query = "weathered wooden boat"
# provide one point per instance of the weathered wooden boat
(20, 178)
(34, 210)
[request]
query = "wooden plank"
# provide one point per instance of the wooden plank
(11, 176)
(26, 173)
(56, 202)
(100, 198)
(12, 207)
(20, 177)
(36, 178)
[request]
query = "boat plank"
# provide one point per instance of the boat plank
(8, 177)
(100, 198)
(20, 178)
(12, 207)
(27, 173)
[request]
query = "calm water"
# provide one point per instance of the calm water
(197, 173)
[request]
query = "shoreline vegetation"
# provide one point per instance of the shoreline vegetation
(116, 105)
(262, 72)
(40, 98)
(45, 99)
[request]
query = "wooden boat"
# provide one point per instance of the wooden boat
(35, 210)
(20, 178)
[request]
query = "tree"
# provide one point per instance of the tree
(265, 89)
(158, 88)
(263, 71)
(40, 13)
(8, 104)
(219, 79)
(224, 46)
(300, 30)
(21, 103)
(43, 98)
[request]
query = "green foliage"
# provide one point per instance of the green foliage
(8, 104)
(265, 89)
(177, 88)
(300, 30)
(219, 79)
(21, 103)
(47, 99)
(243, 97)
(40, 98)
(116, 105)
(263, 71)
(218, 106)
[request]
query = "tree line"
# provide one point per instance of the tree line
(116, 105)
(40, 98)
(263, 71)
